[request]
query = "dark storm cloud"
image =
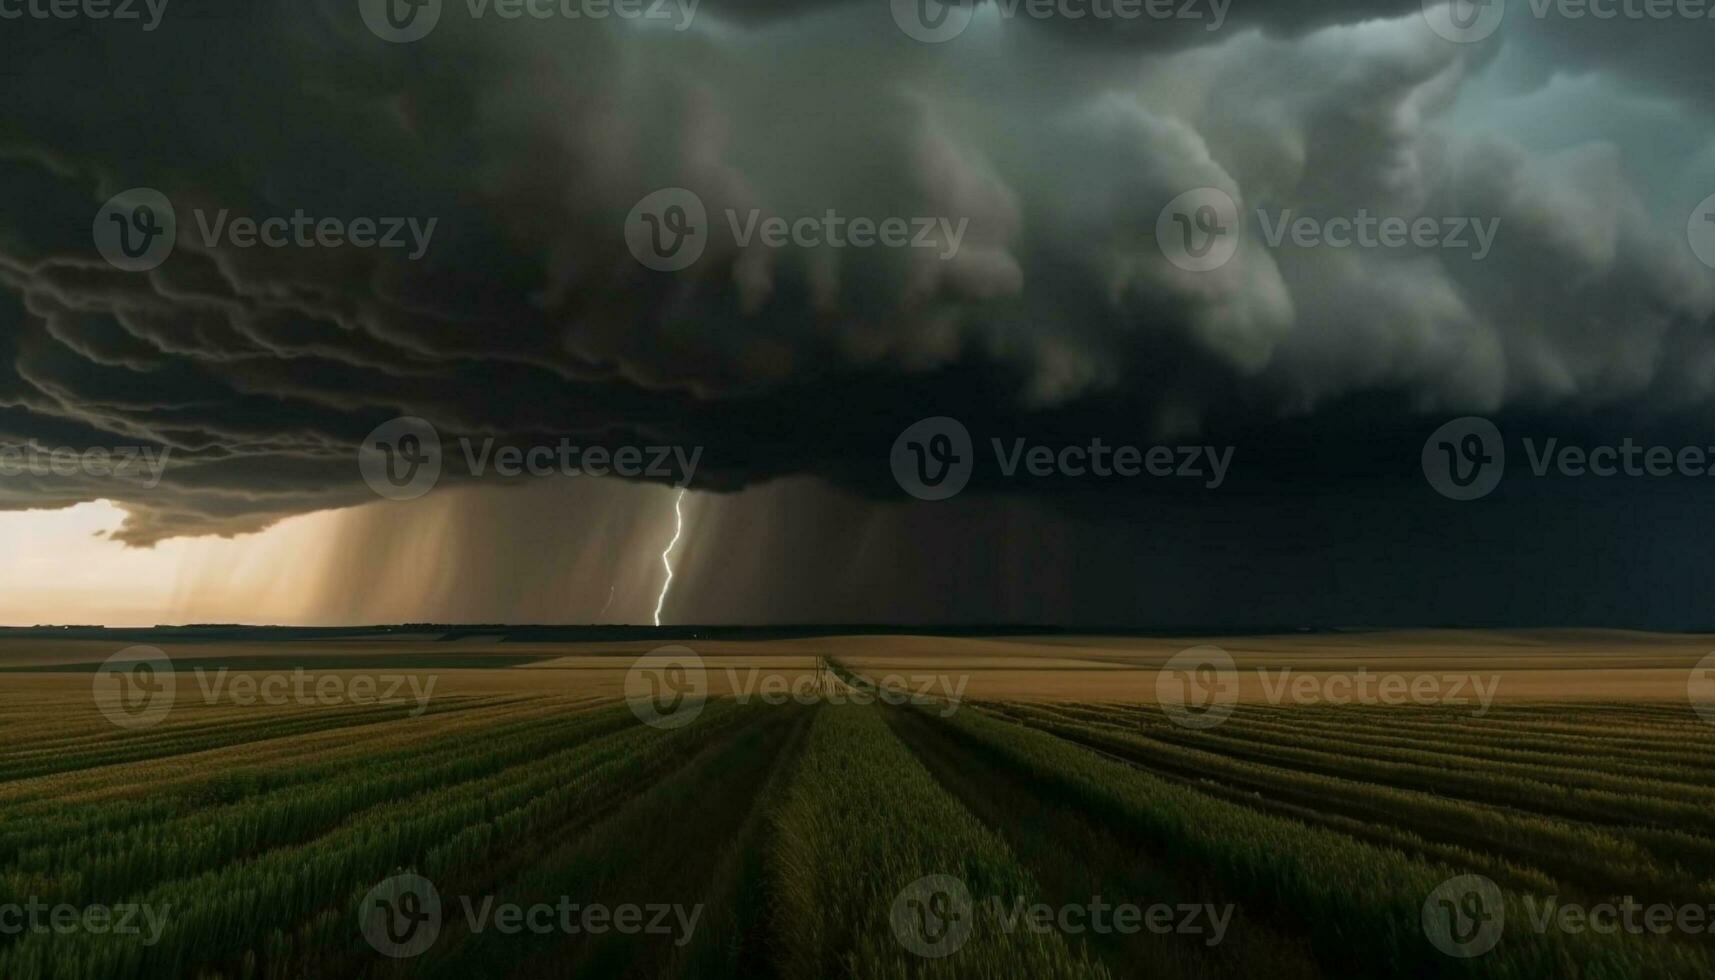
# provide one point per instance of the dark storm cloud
(527, 319)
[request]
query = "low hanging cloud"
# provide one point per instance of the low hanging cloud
(509, 154)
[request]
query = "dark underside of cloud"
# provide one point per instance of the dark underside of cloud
(526, 319)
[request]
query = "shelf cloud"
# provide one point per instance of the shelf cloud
(506, 158)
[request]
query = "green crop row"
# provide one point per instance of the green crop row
(1359, 906)
(82, 868)
(861, 822)
(216, 915)
(1595, 857)
(1543, 789)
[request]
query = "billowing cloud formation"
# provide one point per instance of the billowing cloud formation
(1052, 146)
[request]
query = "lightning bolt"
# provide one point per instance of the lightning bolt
(667, 552)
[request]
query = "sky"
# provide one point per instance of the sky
(1213, 314)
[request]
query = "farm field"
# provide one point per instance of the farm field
(571, 810)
